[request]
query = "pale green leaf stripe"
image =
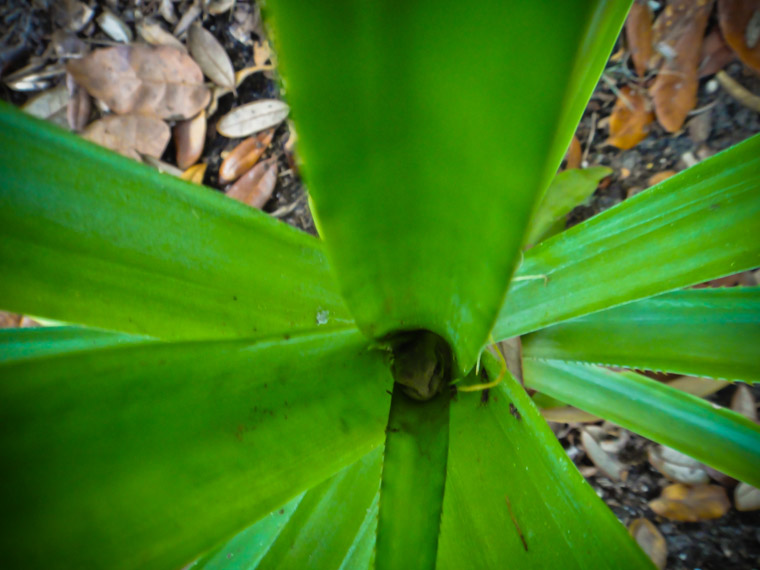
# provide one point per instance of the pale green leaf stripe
(424, 227)
(34, 343)
(414, 475)
(362, 551)
(716, 436)
(145, 456)
(87, 236)
(700, 332)
(502, 466)
(698, 225)
(246, 549)
(326, 523)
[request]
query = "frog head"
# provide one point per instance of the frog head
(421, 364)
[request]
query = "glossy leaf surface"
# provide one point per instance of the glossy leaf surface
(702, 332)
(716, 436)
(513, 497)
(398, 127)
(97, 239)
(414, 475)
(149, 455)
(697, 225)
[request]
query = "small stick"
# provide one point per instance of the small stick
(592, 132)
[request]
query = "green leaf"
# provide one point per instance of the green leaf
(698, 225)
(145, 456)
(414, 475)
(34, 343)
(702, 332)
(246, 549)
(362, 551)
(568, 189)
(513, 497)
(719, 437)
(88, 236)
(322, 530)
(398, 130)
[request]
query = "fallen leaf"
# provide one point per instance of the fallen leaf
(244, 156)
(573, 154)
(217, 7)
(189, 138)
(29, 323)
(71, 15)
(79, 105)
(739, 21)
(195, 173)
(679, 31)
(161, 166)
(166, 8)
(262, 52)
(9, 320)
(255, 187)
(130, 135)
(211, 56)
(677, 466)
(738, 91)
(50, 105)
(638, 31)
(743, 402)
(606, 462)
(691, 504)
(114, 27)
(157, 80)
(190, 15)
(715, 54)
(252, 118)
(746, 497)
(660, 176)
(697, 386)
(629, 120)
(651, 541)
(154, 34)
(699, 126)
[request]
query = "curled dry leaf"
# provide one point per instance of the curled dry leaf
(244, 156)
(195, 173)
(130, 135)
(651, 541)
(638, 31)
(211, 56)
(743, 402)
(252, 118)
(161, 80)
(746, 497)
(739, 21)
(189, 138)
(154, 34)
(255, 187)
(606, 462)
(679, 31)
(573, 154)
(677, 466)
(715, 54)
(691, 504)
(630, 119)
(114, 27)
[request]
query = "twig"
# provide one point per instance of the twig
(738, 91)
(592, 132)
(285, 210)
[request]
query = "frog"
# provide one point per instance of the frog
(420, 365)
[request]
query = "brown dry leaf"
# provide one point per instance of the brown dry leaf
(573, 154)
(50, 105)
(262, 52)
(155, 80)
(700, 387)
(746, 497)
(606, 462)
(743, 402)
(189, 138)
(210, 55)
(114, 27)
(252, 118)
(9, 320)
(660, 176)
(244, 156)
(651, 541)
(153, 33)
(79, 105)
(190, 15)
(195, 173)
(130, 135)
(679, 31)
(739, 21)
(691, 504)
(255, 187)
(715, 54)
(638, 31)
(677, 466)
(629, 119)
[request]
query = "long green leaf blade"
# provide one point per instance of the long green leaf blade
(719, 437)
(414, 475)
(513, 497)
(362, 551)
(327, 521)
(701, 332)
(398, 128)
(698, 225)
(88, 236)
(145, 456)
